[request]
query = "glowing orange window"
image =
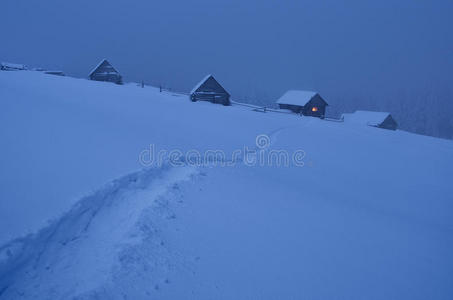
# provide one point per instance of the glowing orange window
(314, 109)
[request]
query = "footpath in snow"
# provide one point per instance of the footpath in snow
(89, 247)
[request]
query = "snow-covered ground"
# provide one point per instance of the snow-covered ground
(368, 216)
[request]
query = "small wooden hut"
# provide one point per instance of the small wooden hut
(6, 66)
(104, 71)
(210, 90)
(303, 102)
(371, 118)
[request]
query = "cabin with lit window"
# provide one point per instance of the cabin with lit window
(303, 102)
(371, 118)
(209, 89)
(104, 71)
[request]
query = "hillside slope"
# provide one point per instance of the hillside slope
(367, 216)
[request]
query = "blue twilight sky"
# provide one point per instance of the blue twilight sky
(335, 47)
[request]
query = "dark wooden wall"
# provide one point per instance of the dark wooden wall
(105, 72)
(389, 123)
(211, 91)
(306, 110)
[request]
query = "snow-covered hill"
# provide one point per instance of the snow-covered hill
(367, 216)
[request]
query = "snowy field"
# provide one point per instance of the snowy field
(368, 216)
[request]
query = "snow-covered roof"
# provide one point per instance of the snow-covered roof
(371, 118)
(8, 65)
(295, 97)
(100, 64)
(200, 83)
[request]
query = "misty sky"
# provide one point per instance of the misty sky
(269, 46)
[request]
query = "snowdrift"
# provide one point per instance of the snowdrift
(368, 215)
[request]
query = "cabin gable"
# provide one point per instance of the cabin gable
(316, 107)
(389, 123)
(106, 72)
(211, 85)
(210, 90)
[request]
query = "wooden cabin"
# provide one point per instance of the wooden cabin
(210, 90)
(303, 102)
(371, 118)
(104, 71)
(6, 66)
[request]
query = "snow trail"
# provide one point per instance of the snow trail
(76, 254)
